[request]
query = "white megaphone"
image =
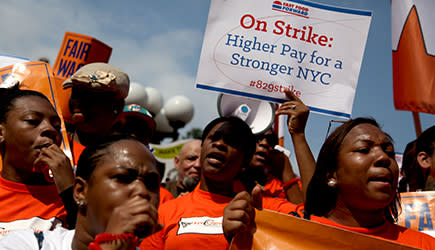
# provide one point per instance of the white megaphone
(259, 115)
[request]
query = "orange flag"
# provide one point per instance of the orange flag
(280, 231)
(413, 55)
(76, 50)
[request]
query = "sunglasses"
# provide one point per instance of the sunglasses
(271, 139)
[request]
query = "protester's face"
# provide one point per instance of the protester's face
(126, 171)
(221, 155)
(31, 124)
(92, 112)
(262, 150)
(367, 173)
(187, 163)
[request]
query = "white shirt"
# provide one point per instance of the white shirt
(58, 239)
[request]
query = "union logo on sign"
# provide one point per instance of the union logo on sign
(290, 8)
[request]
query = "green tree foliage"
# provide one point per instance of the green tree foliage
(194, 133)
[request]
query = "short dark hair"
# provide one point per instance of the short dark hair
(426, 141)
(91, 155)
(270, 135)
(241, 134)
(413, 176)
(321, 198)
(9, 95)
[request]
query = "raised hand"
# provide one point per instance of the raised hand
(297, 113)
(239, 214)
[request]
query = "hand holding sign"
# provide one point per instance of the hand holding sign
(297, 113)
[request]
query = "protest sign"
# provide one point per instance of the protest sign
(36, 76)
(258, 48)
(76, 50)
(418, 211)
(280, 231)
(166, 154)
(6, 60)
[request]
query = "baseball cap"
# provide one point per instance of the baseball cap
(100, 77)
(140, 112)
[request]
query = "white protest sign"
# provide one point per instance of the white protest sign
(258, 48)
(6, 60)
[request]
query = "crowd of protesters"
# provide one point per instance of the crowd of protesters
(112, 197)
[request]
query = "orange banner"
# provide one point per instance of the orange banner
(36, 76)
(418, 211)
(280, 231)
(413, 65)
(76, 50)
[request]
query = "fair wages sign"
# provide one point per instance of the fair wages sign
(418, 211)
(259, 48)
(76, 51)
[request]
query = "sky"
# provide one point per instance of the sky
(158, 43)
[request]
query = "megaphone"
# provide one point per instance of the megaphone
(259, 115)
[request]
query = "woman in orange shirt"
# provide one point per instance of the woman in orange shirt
(29, 144)
(354, 187)
(355, 184)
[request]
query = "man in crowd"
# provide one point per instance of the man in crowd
(97, 98)
(272, 169)
(188, 167)
(135, 121)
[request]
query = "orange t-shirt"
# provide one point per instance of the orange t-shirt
(77, 150)
(273, 188)
(388, 231)
(165, 196)
(194, 221)
(25, 206)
